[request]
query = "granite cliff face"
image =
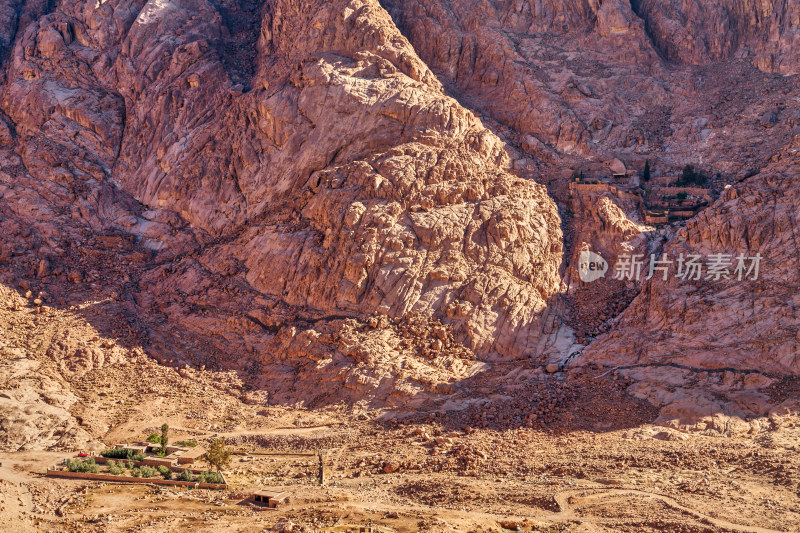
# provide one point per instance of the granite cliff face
(569, 81)
(743, 324)
(574, 81)
(691, 31)
(337, 182)
(355, 199)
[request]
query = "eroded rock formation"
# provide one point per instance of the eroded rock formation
(340, 182)
(289, 188)
(743, 324)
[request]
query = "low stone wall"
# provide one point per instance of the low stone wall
(655, 219)
(674, 191)
(130, 479)
(663, 181)
(601, 187)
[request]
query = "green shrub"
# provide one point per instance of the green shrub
(117, 453)
(148, 471)
(116, 469)
(210, 477)
(83, 466)
(154, 438)
(122, 453)
(136, 472)
(188, 443)
(186, 475)
(165, 472)
(130, 465)
(690, 176)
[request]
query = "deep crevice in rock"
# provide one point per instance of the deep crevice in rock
(242, 19)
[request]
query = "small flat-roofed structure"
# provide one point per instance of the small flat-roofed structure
(158, 461)
(656, 217)
(176, 449)
(191, 455)
(271, 498)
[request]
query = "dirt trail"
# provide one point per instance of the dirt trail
(288, 430)
(15, 500)
(567, 509)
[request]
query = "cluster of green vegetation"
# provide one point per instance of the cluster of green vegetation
(116, 469)
(188, 443)
(162, 439)
(122, 453)
(87, 466)
(691, 177)
(218, 455)
(210, 477)
(144, 471)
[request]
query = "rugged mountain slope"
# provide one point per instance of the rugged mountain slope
(691, 31)
(708, 323)
(340, 182)
(341, 199)
(572, 80)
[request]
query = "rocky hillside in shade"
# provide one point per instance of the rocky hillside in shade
(579, 80)
(372, 195)
(569, 82)
(700, 32)
(741, 324)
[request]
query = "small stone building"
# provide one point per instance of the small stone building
(190, 455)
(270, 498)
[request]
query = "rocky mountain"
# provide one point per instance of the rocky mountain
(745, 324)
(704, 32)
(354, 199)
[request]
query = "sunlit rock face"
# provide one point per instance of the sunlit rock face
(285, 167)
